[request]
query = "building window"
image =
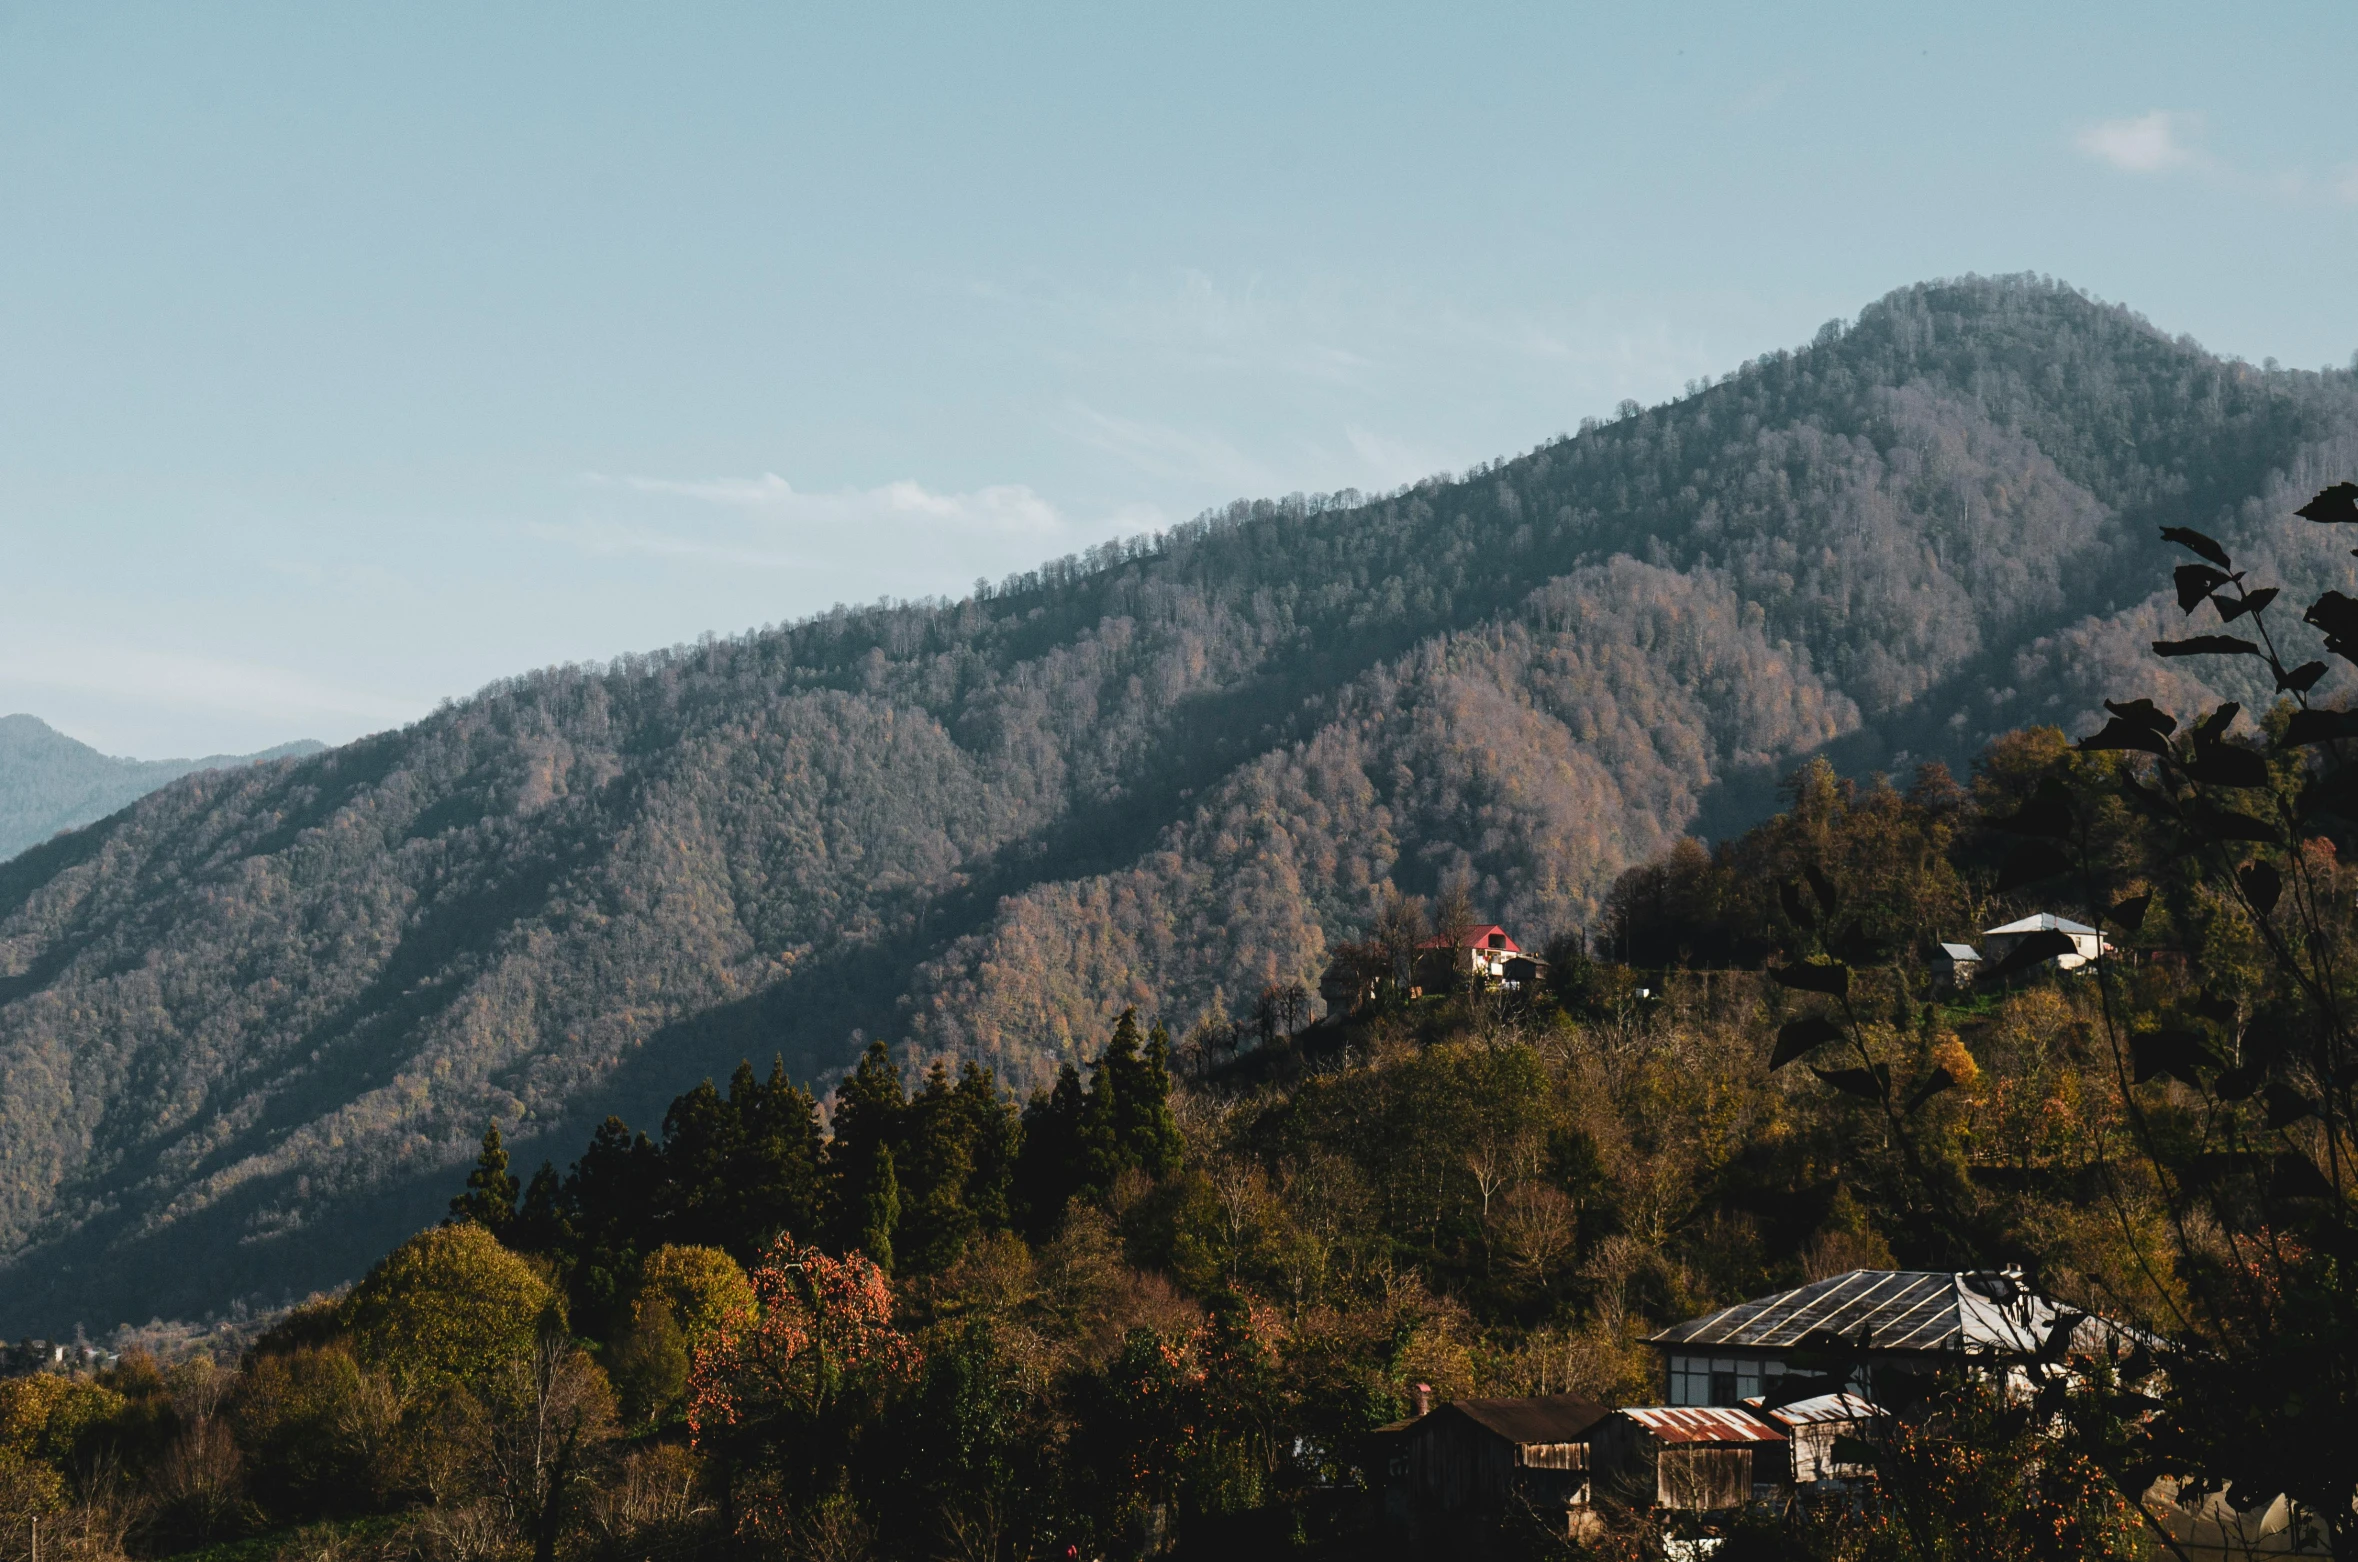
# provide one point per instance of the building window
(1720, 1380)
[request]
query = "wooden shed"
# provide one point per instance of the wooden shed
(1692, 1457)
(1813, 1424)
(1479, 1453)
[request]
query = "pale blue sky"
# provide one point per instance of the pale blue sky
(353, 355)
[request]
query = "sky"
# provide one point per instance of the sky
(354, 356)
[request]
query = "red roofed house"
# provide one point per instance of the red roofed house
(1445, 960)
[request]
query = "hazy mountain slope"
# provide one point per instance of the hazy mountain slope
(49, 782)
(249, 1025)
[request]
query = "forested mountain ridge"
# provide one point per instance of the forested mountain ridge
(49, 782)
(246, 1024)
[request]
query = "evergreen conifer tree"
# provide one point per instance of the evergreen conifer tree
(1048, 1163)
(540, 1225)
(879, 1208)
(1154, 1131)
(939, 1167)
(776, 1183)
(871, 1122)
(997, 1143)
(490, 1199)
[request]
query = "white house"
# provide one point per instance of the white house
(1998, 942)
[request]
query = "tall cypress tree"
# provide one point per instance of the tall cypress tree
(1098, 1152)
(937, 1219)
(1048, 1168)
(871, 1124)
(777, 1182)
(879, 1208)
(701, 1145)
(1154, 1140)
(541, 1225)
(997, 1142)
(490, 1199)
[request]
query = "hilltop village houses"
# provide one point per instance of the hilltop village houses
(1488, 956)
(1725, 1436)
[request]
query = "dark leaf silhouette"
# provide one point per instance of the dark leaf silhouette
(2262, 885)
(1854, 948)
(2188, 537)
(2045, 944)
(2337, 793)
(2224, 824)
(2301, 679)
(2212, 1007)
(1868, 1084)
(1800, 1037)
(2285, 1105)
(2319, 726)
(1855, 1450)
(2337, 616)
(2237, 1084)
(2195, 582)
(1820, 885)
(2129, 915)
(2028, 864)
(2337, 505)
(2048, 814)
(2206, 645)
(2120, 733)
(2174, 1052)
(2250, 602)
(2144, 713)
(1789, 896)
(2292, 1175)
(1833, 980)
(2225, 765)
(2214, 726)
(1938, 1080)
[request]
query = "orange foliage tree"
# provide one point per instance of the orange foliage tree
(781, 1393)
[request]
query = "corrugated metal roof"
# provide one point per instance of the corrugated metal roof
(1704, 1424)
(1820, 1408)
(1542, 1418)
(1898, 1309)
(2044, 922)
(1960, 951)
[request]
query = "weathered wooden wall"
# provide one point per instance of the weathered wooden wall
(1702, 1476)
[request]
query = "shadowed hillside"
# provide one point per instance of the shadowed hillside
(247, 1024)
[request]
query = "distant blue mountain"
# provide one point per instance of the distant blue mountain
(49, 782)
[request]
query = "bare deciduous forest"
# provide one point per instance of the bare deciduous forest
(252, 1026)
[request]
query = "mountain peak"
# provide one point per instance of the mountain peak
(1171, 775)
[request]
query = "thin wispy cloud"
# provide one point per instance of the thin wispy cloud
(614, 539)
(1169, 453)
(1004, 507)
(2152, 143)
(2165, 141)
(897, 539)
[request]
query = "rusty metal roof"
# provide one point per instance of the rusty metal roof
(1978, 1312)
(1543, 1418)
(1704, 1424)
